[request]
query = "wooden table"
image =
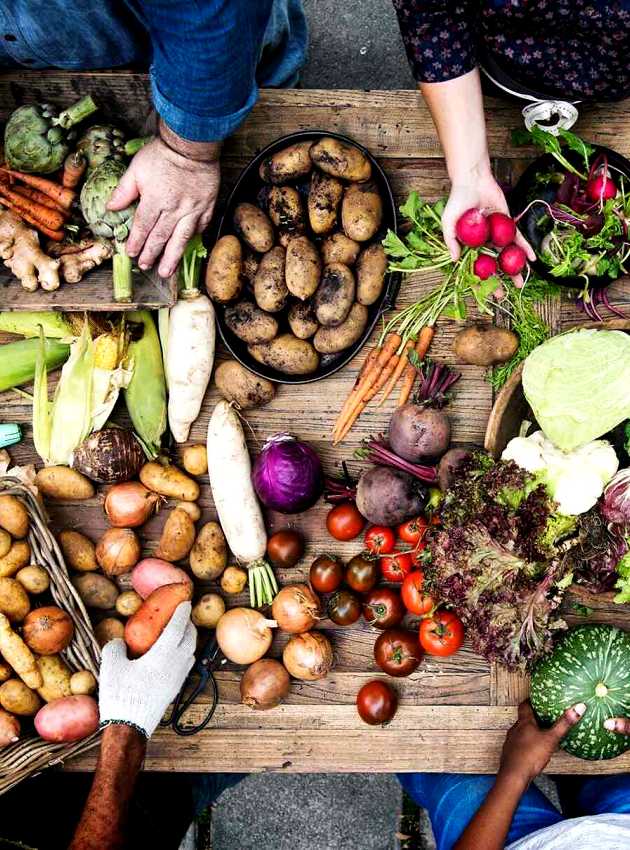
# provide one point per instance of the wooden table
(453, 712)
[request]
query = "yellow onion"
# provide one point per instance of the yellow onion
(130, 504)
(265, 684)
(308, 656)
(296, 608)
(118, 551)
(244, 635)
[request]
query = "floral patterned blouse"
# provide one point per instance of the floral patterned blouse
(573, 48)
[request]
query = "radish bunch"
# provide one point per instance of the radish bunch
(496, 230)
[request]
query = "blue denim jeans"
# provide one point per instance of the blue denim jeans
(452, 799)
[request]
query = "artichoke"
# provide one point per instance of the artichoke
(36, 140)
(101, 142)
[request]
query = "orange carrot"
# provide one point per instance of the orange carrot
(73, 169)
(422, 346)
(61, 194)
(367, 364)
(402, 362)
(49, 218)
(55, 235)
(39, 198)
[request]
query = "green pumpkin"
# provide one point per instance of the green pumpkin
(589, 664)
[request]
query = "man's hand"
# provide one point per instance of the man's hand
(620, 725)
(528, 748)
(177, 196)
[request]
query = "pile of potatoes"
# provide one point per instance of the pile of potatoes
(35, 681)
(297, 279)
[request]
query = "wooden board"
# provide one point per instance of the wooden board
(454, 712)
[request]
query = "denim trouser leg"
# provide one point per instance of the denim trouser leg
(604, 795)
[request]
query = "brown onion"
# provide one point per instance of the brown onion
(296, 608)
(47, 630)
(244, 635)
(308, 656)
(130, 504)
(265, 684)
(118, 551)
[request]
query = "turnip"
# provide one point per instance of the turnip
(472, 228)
(502, 229)
(512, 259)
(485, 266)
(601, 187)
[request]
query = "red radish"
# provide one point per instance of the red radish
(601, 187)
(472, 228)
(485, 266)
(502, 229)
(512, 259)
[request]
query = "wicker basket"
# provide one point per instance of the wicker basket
(30, 755)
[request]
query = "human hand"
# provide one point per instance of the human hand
(138, 692)
(177, 197)
(620, 725)
(528, 748)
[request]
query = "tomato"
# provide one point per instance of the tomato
(396, 652)
(413, 595)
(344, 608)
(377, 702)
(285, 548)
(383, 608)
(417, 554)
(380, 540)
(413, 531)
(326, 574)
(395, 567)
(441, 634)
(344, 522)
(362, 573)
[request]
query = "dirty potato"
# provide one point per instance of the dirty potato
(78, 550)
(223, 272)
(270, 288)
(286, 165)
(341, 159)
(63, 484)
(286, 212)
(338, 248)
(324, 196)
(371, 268)
(335, 295)
(250, 266)
(177, 538)
(249, 323)
(254, 227)
(484, 345)
(236, 383)
(302, 268)
(361, 211)
(208, 557)
(287, 354)
(332, 340)
(302, 319)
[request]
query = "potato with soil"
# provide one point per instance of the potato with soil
(63, 484)
(254, 227)
(13, 516)
(96, 591)
(341, 160)
(33, 579)
(78, 550)
(370, 271)
(324, 196)
(178, 536)
(338, 248)
(17, 557)
(361, 211)
(128, 603)
(302, 268)
(287, 165)
(111, 628)
(335, 295)
(302, 319)
(208, 611)
(270, 288)
(208, 556)
(250, 266)
(419, 434)
(168, 480)
(223, 272)
(286, 212)
(56, 677)
(485, 345)
(249, 323)
(388, 496)
(333, 340)
(287, 354)
(235, 383)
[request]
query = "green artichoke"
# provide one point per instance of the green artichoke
(36, 140)
(101, 142)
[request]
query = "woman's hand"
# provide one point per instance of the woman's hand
(528, 748)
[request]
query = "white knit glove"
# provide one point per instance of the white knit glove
(138, 692)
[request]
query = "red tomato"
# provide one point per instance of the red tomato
(396, 566)
(413, 531)
(380, 540)
(396, 652)
(344, 522)
(413, 595)
(441, 634)
(377, 703)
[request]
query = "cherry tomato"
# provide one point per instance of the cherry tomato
(396, 652)
(395, 567)
(417, 556)
(413, 530)
(377, 702)
(344, 522)
(285, 548)
(344, 608)
(362, 573)
(441, 634)
(380, 540)
(413, 595)
(326, 574)
(383, 608)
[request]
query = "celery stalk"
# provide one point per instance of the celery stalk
(27, 324)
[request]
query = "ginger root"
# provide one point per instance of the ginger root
(20, 250)
(75, 265)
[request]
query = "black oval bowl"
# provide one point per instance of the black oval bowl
(519, 198)
(247, 188)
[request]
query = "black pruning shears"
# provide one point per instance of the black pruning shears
(199, 677)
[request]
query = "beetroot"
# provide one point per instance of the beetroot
(485, 266)
(600, 187)
(512, 259)
(472, 228)
(502, 229)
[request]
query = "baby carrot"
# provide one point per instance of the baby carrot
(422, 346)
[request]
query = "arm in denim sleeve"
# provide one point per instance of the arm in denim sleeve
(205, 53)
(439, 37)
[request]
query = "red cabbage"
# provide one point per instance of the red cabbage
(616, 502)
(288, 475)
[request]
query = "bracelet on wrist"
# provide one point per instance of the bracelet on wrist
(111, 722)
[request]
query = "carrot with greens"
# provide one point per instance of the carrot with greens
(73, 169)
(64, 196)
(400, 367)
(421, 347)
(51, 219)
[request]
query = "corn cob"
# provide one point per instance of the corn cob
(146, 394)
(18, 360)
